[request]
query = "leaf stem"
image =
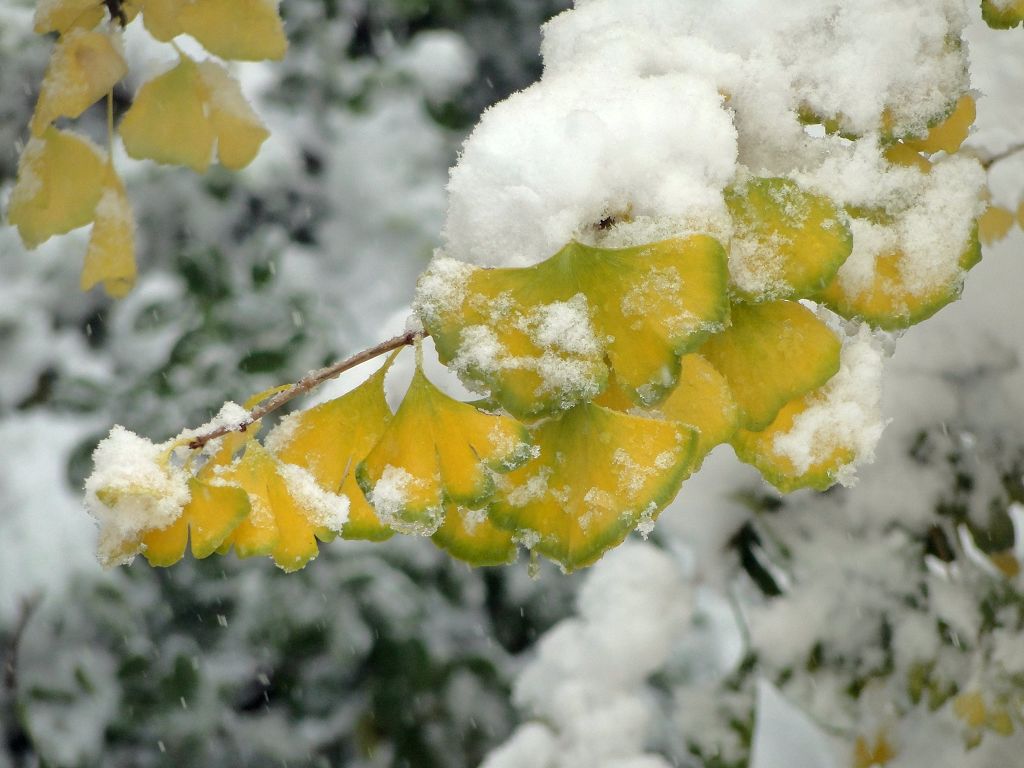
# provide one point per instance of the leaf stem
(307, 383)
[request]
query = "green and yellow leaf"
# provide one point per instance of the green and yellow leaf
(242, 30)
(169, 119)
(786, 243)
(888, 302)
(110, 257)
(599, 474)
(538, 337)
(950, 133)
(772, 353)
(84, 67)
(469, 535)
(60, 181)
(330, 439)
(1000, 14)
(437, 449)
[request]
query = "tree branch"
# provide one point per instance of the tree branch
(988, 162)
(308, 382)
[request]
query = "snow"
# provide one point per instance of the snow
(391, 494)
(323, 508)
(784, 736)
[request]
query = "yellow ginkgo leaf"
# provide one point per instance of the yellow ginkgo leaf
(60, 182)
(908, 155)
(239, 130)
(786, 243)
(949, 134)
(469, 535)
(887, 302)
(169, 119)
(212, 513)
(995, 224)
(160, 18)
(330, 439)
(243, 30)
(1020, 215)
(771, 354)
(289, 511)
(84, 67)
(600, 473)
(538, 337)
(110, 257)
(437, 449)
(62, 15)
(1002, 14)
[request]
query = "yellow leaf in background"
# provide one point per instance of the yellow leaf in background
(210, 516)
(160, 18)
(599, 474)
(437, 449)
(240, 132)
(169, 122)
(538, 337)
(288, 510)
(84, 67)
(62, 15)
(60, 182)
(243, 30)
(949, 134)
(470, 536)
(1002, 14)
(888, 303)
(330, 439)
(771, 354)
(995, 224)
(110, 257)
(786, 243)
(1020, 215)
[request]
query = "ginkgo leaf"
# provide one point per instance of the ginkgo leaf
(240, 132)
(599, 474)
(289, 511)
(701, 400)
(908, 155)
(995, 224)
(330, 439)
(437, 449)
(469, 535)
(110, 257)
(786, 243)
(243, 30)
(538, 337)
(160, 18)
(761, 450)
(210, 516)
(887, 302)
(950, 133)
(62, 15)
(1002, 14)
(169, 119)
(771, 354)
(84, 67)
(60, 182)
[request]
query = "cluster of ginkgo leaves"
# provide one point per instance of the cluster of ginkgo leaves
(65, 181)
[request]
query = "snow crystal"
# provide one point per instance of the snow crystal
(532, 489)
(844, 414)
(323, 508)
(133, 488)
(442, 288)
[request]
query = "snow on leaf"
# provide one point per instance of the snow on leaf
(470, 535)
(772, 353)
(245, 30)
(330, 439)
(110, 257)
(537, 336)
(598, 475)
(288, 510)
(950, 133)
(169, 120)
(60, 182)
(240, 133)
(84, 67)
(437, 449)
(786, 243)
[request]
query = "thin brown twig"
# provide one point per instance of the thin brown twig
(308, 382)
(991, 160)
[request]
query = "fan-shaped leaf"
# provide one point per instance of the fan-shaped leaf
(249, 30)
(110, 258)
(469, 535)
(240, 133)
